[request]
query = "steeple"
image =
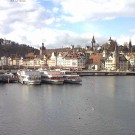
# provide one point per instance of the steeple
(116, 48)
(130, 46)
(93, 42)
(115, 57)
(42, 50)
(110, 40)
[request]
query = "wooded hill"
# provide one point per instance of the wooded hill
(10, 48)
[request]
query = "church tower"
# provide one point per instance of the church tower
(93, 43)
(130, 46)
(110, 40)
(42, 50)
(115, 57)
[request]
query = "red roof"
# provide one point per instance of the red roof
(96, 58)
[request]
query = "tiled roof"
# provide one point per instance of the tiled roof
(73, 56)
(30, 55)
(96, 58)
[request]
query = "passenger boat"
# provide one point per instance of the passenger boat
(53, 77)
(29, 77)
(72, 78)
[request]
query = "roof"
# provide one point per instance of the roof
(30, 55)
(96, 58)
(122, 58)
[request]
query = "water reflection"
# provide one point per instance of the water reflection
(25, 92)
(101, 106)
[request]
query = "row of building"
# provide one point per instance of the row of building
(74, 58)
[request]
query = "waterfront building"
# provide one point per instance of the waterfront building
(108, 62)
(96, 62)
(123, 63)
(4, 61)
(132, 63)
(15, 62)
(60, 59)
(51, 62)
(112, 61)
(116, 61)
(43, 61)
(74, 60)
(131, 58)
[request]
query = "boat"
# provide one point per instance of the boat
(52, 77)
(29, 77)
(8, 78)
(72, 78)
(2, 79)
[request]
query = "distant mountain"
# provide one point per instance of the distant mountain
(11, 48)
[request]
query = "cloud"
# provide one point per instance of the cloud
(125, 38)
(20, 20)
(32, 23)
(81, 10)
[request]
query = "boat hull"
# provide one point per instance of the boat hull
(29, 81)
(52, 81)
(72, 81)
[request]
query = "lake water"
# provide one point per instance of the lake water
(102, 105)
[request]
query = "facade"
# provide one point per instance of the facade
(116, 63)
(4, 61)
(60, 60)
(112, 61)
(123, 63)
(131, 58)
(8, 62)
(96, 62)
(52, 61)
(109, 63)
(75, 61)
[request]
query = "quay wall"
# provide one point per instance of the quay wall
(90, 73)
(105, 73)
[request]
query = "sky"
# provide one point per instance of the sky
(60, 23)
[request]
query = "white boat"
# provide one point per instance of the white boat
(29, 77)
(53, 77)
(70, 77)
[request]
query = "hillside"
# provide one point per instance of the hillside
(9, 48)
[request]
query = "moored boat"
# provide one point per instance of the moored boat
(53, 77)
(29, 77)
(71, 78)
(8, 78)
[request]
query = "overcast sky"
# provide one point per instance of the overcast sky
(60, 23)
